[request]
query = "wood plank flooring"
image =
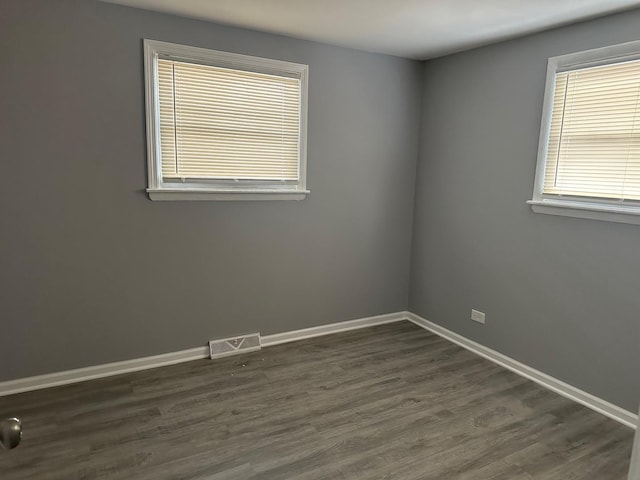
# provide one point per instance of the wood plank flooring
(387, 402)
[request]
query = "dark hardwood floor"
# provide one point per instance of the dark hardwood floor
(392, 401)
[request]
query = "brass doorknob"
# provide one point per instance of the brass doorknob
(10, 432)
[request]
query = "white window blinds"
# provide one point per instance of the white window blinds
(593, 147)
(222, 124)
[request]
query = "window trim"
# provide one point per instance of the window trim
(161, 190)
(571, 206)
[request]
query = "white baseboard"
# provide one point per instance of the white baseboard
(572, 393)
(88, 373)
(295, 335)
(98, 371)
(38, 382)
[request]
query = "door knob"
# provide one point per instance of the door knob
(10, 433)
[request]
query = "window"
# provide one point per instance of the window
(223, 126)
(589, 153)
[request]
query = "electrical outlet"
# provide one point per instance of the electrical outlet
(477, 316)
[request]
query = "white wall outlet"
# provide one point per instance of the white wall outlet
(477, 316)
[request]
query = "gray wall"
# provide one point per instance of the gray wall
(94, 272)
(561, 294)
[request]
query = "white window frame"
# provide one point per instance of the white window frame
(580, 207)
(193, 190)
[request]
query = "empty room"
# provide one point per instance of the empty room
(331, 239)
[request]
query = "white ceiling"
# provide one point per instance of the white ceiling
(409, 28)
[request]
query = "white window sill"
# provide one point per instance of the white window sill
(168, 194)
(592, 211)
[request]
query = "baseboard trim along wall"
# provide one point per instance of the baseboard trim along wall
(305, 333)
(99, 371)
(47, 380)
(572, 393)
(89, 373)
